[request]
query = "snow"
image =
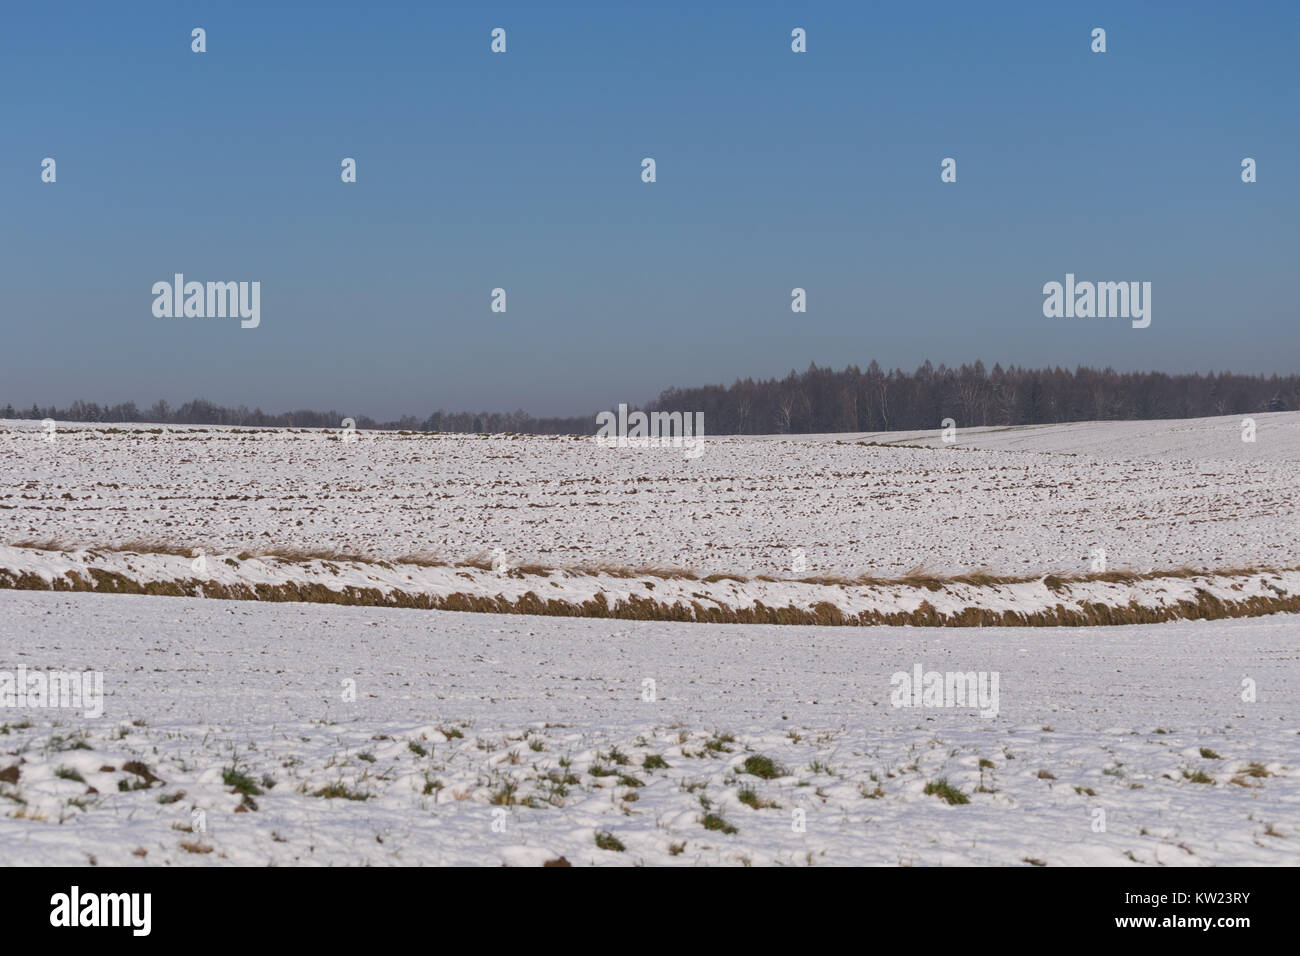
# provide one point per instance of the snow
(694, 599)
(235, 732)
(194, 687)
(1152, 495)
(1277, 438)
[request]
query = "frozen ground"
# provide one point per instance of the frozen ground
(1152, 495)
(1277, 438)
(454, 711)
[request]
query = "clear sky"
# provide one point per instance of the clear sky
(523, 171)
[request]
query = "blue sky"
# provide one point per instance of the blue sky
(522, 170)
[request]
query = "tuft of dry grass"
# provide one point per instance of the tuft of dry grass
(622, 571)
(49, 544)
(423, 559)
(143, 546)
(303, 555)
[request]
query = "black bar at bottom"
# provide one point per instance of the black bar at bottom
(349, 906)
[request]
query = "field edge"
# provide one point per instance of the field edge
(1112, 598)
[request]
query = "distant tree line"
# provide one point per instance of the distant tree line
(818, 400)
(857, 400)
(202, 412)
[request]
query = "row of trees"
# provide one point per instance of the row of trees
(819, 400)
(854, 400)
(202, 412)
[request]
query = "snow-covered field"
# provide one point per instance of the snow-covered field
(257, 732)
(1152, 495)
(478, 738)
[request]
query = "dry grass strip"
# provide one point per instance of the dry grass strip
(1205, 607)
